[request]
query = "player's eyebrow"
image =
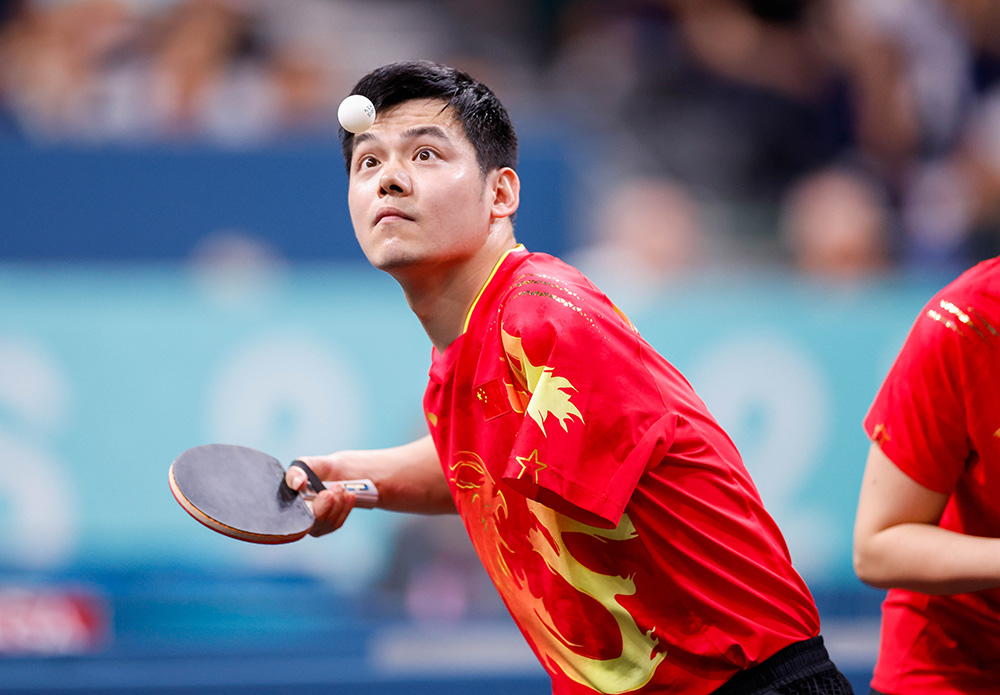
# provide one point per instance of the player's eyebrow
(413, 133)
(420, 131)
(362, 137)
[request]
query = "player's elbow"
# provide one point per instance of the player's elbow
(869, 566)
(862, 567)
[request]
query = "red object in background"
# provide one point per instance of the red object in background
(51, 621)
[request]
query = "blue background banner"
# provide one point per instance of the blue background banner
(165, 203)
(109, 373)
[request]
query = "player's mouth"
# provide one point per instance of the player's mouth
(390, 214)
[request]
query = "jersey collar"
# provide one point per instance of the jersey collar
(468, 316)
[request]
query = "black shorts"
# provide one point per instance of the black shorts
(803, 668)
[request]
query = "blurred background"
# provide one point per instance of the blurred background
(770, 188)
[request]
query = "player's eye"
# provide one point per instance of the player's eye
(367, 161)
(425, 155)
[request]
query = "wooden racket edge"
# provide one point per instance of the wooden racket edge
(224, 529)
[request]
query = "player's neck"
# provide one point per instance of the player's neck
(442, 297)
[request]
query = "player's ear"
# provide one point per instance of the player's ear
(506, 191)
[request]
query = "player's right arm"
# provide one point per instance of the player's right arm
(898, 544)
(408, 478)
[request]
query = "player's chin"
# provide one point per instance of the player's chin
(395, 259)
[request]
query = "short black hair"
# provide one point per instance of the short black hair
(484, 119)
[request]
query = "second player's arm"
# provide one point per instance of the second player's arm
(898, 544)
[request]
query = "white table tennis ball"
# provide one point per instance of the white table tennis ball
(356, 113)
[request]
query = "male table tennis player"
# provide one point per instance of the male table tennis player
(928, 515)
(610, 509)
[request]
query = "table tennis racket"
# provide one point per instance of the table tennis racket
(241, 493)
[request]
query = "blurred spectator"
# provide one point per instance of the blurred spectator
(52, 54)
(10, 14)
(979, 153)
(299, 79)
(733, 98)
(733, 102)
(198, 70)
(979, 21)
(836, 223)
(951, 207)
(909, 67)
(216, 70)
(647, 233)
(740, 100)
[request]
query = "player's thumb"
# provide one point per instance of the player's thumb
(295, 477)
(329, 467)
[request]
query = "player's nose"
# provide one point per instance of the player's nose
(394, 181)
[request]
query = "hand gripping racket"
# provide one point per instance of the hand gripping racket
(241, 493)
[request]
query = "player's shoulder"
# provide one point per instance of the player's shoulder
(541, 280)
(967, 309)
(546, 271)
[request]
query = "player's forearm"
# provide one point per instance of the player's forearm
(409, 478)
(929, 559)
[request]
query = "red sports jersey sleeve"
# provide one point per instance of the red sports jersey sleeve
(918, 418)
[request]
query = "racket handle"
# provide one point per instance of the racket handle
(365, 492)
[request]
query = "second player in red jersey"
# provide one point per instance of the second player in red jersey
(929, 515)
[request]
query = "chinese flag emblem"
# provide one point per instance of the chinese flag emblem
(492, 397)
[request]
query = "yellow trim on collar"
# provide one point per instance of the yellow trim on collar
(468, 316)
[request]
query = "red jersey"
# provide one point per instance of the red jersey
(937, 418)
(612, 512)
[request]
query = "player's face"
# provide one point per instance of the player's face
(417, 196)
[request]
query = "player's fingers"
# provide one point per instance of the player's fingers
(325, 468)
(331, 509)
(345, 509)
(296, 478)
